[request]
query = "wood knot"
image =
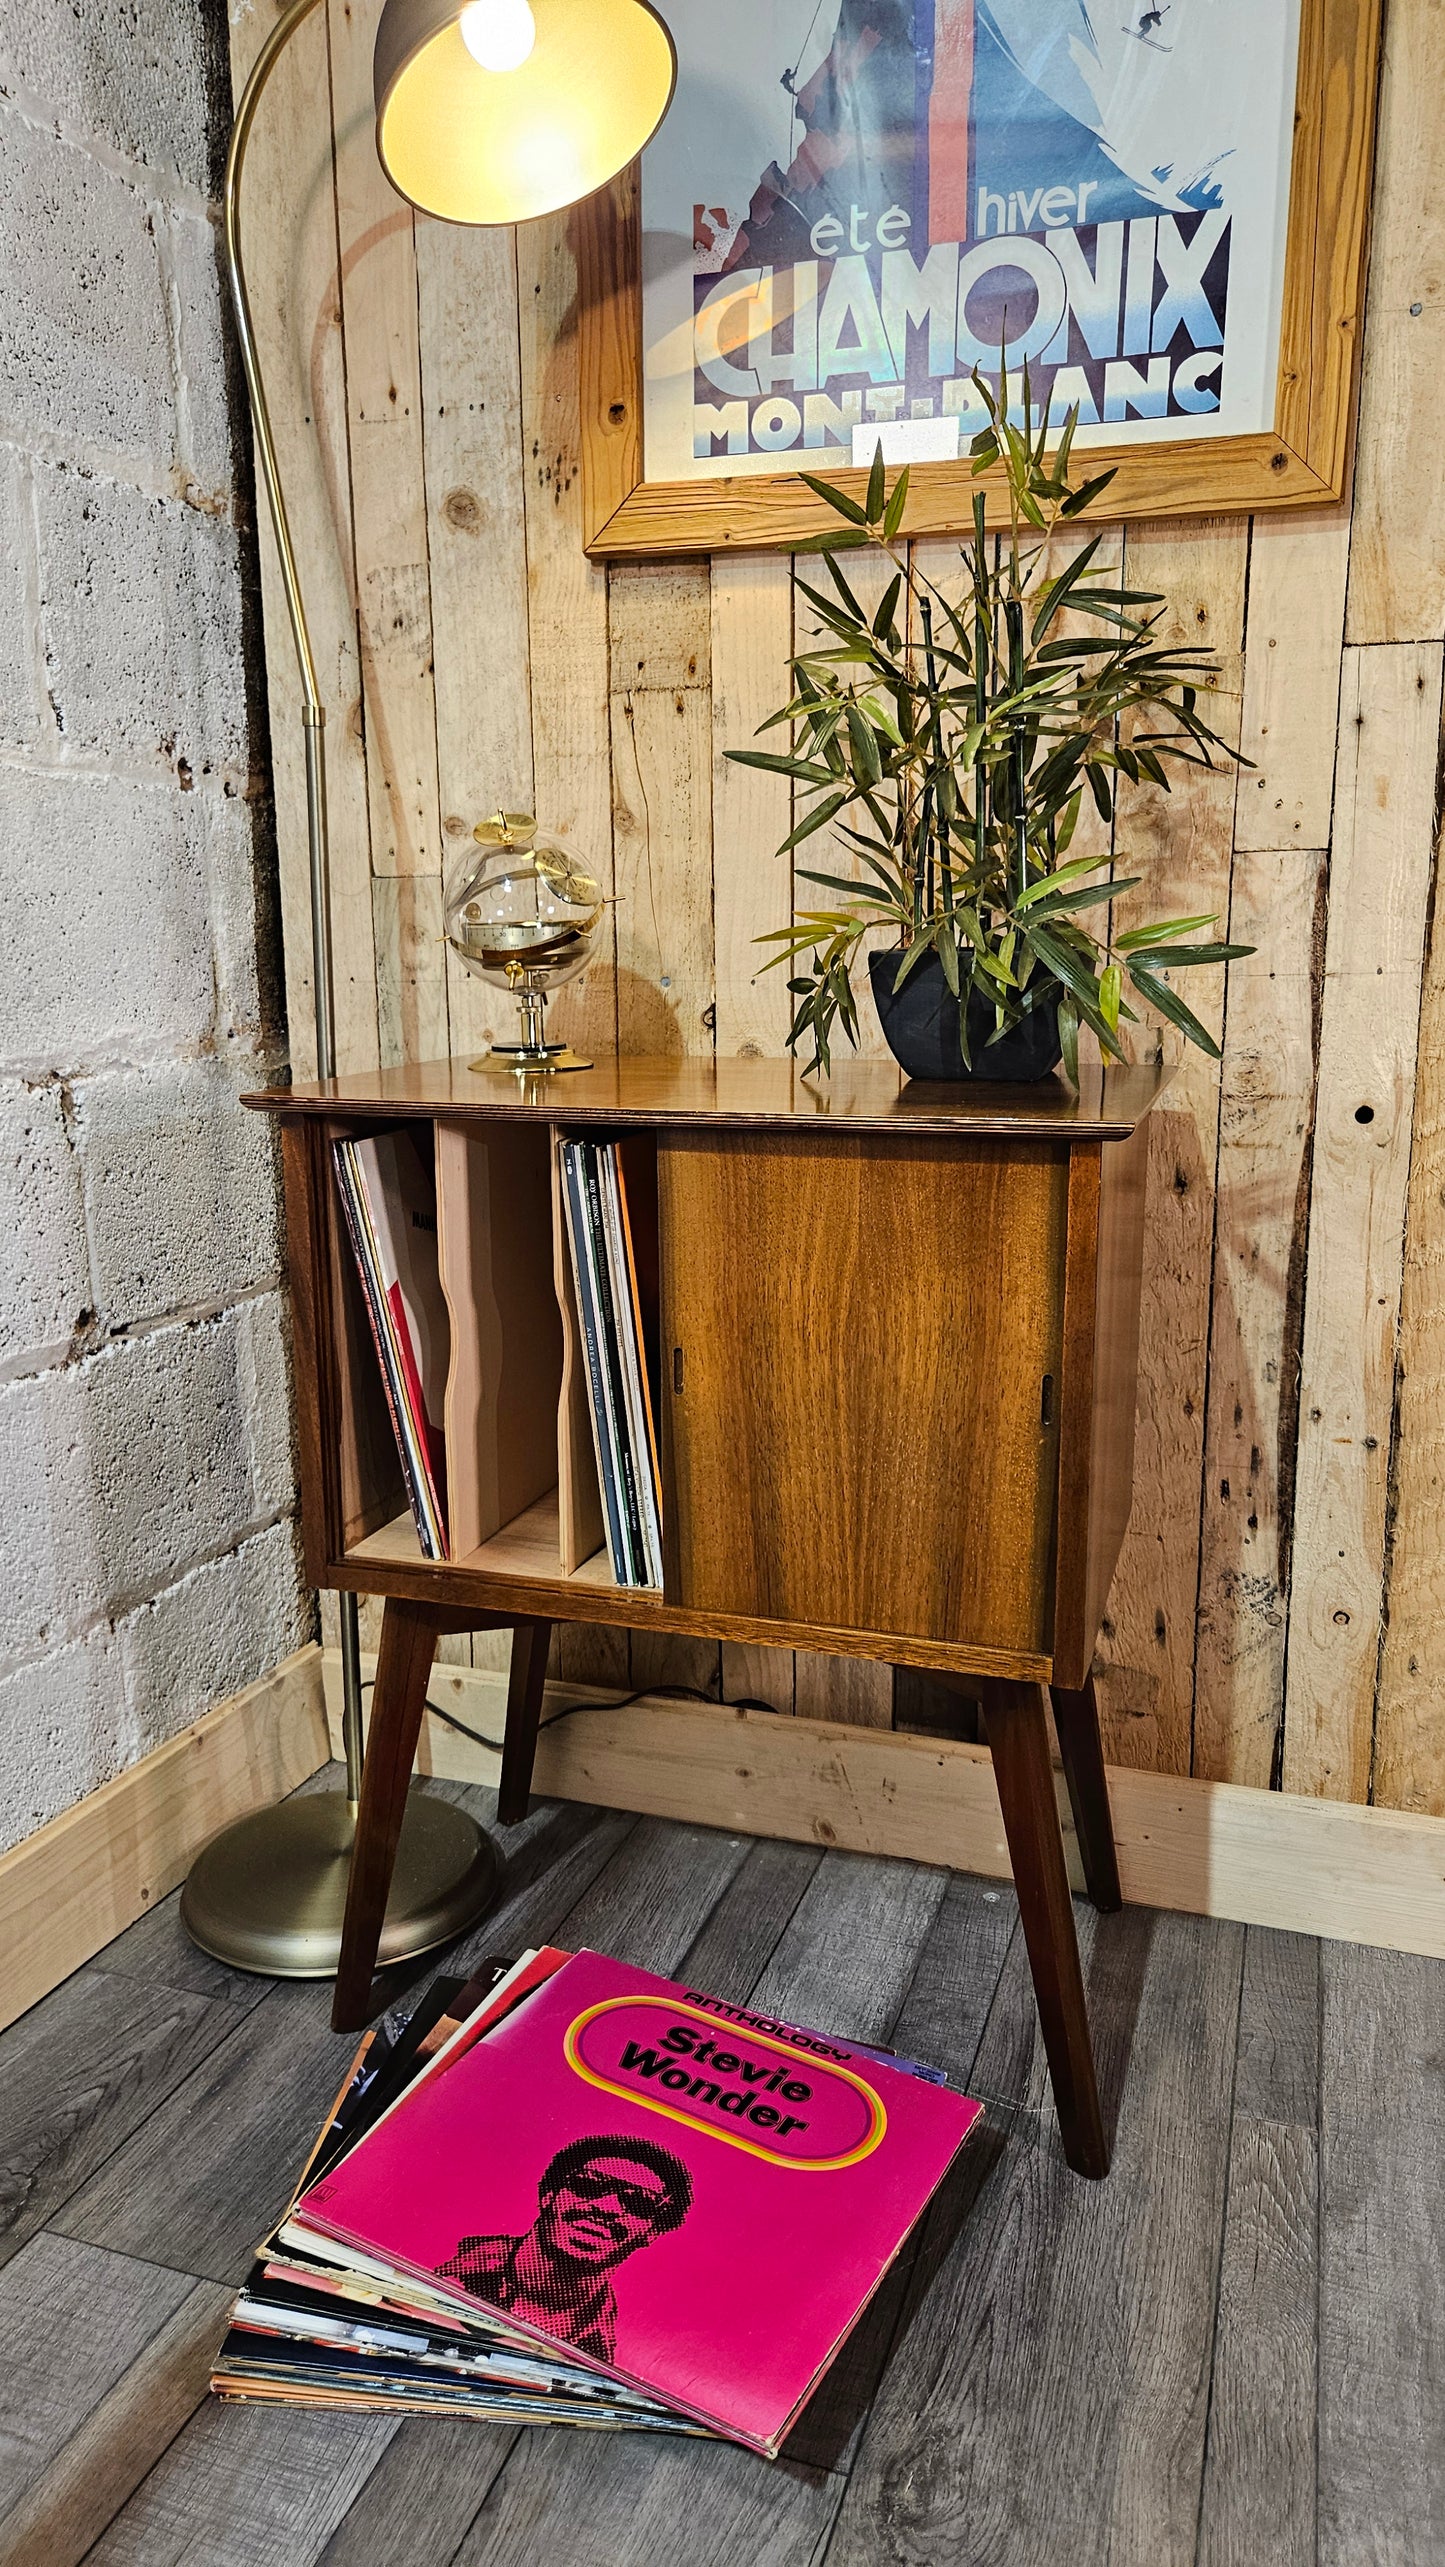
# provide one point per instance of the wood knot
(463, 509)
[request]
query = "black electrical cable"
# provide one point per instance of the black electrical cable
(569, 1710)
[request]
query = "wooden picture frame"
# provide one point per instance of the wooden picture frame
(1302, 461)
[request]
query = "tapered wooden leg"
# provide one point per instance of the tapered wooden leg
(530, 1641)
(1076, 1718)
(403, 1664)
(1016, 1722)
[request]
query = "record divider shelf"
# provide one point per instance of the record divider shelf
(896, 1329)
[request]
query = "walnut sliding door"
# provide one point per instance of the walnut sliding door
(861, 1344)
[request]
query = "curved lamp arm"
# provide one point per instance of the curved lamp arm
(313, 716)
(313, 711)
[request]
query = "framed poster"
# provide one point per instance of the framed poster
(1159, 204)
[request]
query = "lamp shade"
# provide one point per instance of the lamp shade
(479, 145)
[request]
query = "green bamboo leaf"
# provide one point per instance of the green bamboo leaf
(884, 617)
(1066, 965)
(1111, 986)
(893, 514)
(1174, 927)
(805, 770)
(857, 614)
(838, 499)
(873, 506)
(853, 890)
(995, 967)
(839, 543)
(1082, 498)
(1171, 957)
(817, 818)
(864, 742)
(881, 718)
(1069, 1037)
(920, 946)
(1058, 590)
(1159, 995)
(1050, 882)
(1069, 820)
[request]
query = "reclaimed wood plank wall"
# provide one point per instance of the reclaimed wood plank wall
(1277, 1614)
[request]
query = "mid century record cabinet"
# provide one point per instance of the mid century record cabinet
(896, 1327)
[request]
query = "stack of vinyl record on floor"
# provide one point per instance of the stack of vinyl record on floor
(571, 2192)
(604, 1270)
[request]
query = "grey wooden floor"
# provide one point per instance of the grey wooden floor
(1231, 2352)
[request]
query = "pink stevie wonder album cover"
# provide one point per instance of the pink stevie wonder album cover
(666, 2186)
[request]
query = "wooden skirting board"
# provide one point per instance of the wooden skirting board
(73, 1885)
(1336, 1868)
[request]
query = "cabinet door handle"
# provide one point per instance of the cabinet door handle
(1046, 1402)
(677, 1370)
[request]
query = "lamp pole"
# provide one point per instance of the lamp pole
(487, 113)
(269, 1894)
(313, 714)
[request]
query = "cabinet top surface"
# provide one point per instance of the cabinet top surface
(860, 1094)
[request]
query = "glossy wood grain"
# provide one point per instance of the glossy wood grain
(633, 1089)
(494, 1241)
(1016, 1725)
(1098, 1389)
(515, 1576)
(856, 1341)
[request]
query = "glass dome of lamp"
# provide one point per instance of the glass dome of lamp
(487, 111)
(521, 911)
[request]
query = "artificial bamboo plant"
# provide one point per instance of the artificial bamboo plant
(949, 743)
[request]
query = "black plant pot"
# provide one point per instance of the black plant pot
(920, 1028)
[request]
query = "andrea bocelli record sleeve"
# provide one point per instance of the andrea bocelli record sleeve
(692, 2196)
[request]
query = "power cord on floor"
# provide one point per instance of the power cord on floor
(569, 1710)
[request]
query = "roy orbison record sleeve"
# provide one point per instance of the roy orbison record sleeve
(853, 203)
(694, 2198)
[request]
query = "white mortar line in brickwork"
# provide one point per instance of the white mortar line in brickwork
(159, 184)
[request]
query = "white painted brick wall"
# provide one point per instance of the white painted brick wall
(148, 1562)
(85, 352)
(141, 619)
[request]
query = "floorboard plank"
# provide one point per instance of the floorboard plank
(1047, 2399)
(83, 2071)
(843, 1963)
(72, 2320)
(158, 1950)
(424, 2494)
(942, 2021)
(1258, 2506)
(198, 2184)
(1258, 2502)
(1382, 2276)
(213, 2167)
(110, 2449)
(656, 1895)
(1278, 2075)
(248, 2486)
(742, 1932)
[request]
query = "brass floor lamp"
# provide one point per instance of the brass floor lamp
(487, 111)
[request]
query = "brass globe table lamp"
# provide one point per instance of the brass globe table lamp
(522, 914)
(495, 111)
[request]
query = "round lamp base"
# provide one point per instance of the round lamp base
(270, 1893)
(516, 1060)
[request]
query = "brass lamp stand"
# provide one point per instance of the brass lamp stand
(488, 111)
